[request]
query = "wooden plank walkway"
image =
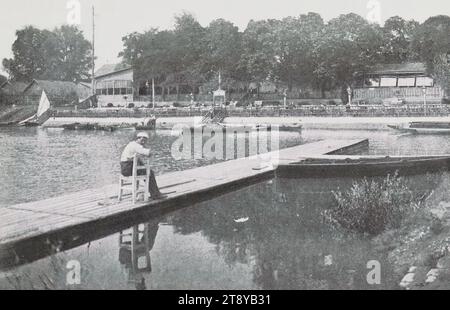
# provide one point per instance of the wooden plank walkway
(91, 209)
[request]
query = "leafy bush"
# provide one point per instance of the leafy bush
(332, 102)
(372, 207)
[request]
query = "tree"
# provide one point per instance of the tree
(223, 44)
(63, 54)
(151, 54)
(296, 47)
(259, 53)
(3, 79)
(431, 39)
(348, 45)
(432, 43)
(441, 72)
(74, 54)
(29, 60)
(397, 38)
(188, 47)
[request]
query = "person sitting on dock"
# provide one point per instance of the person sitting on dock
(126, 163)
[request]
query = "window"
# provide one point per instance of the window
(110, 91)
(123, 91)
(116, 91)
(129, 91)
(372, 82)
(104, 91)
(98, 91)
(406, 81)
(387, 81)
(424, 81)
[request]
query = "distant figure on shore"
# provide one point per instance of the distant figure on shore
(126, 163)
(149, 122)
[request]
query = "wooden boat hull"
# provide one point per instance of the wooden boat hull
(144, 128)
(91, 127)
(9, 124)
(431, 131)
(424, 128)
(246, 128)
(32, 124)
(402, 129)
(364, 167)
(291, 128)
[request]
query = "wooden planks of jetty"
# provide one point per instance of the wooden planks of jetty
(65, 222)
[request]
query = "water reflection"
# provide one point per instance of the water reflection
(135, 246)
(284, 240)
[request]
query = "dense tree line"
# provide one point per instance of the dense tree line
(62, 54)
(302, 51)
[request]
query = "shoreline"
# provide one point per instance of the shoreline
(309, 122)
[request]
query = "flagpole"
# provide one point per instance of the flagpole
(153, 93)
(93, 51)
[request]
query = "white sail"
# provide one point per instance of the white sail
(44, 105)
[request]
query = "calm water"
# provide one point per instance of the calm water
(268, 236)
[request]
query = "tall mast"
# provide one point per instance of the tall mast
(93, 51)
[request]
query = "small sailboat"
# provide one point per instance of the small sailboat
(39, 118)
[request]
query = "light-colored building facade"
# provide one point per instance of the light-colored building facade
(408, 82)
(114, 86)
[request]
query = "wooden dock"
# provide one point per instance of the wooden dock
(64, 222)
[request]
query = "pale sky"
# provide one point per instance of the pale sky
(117, 18)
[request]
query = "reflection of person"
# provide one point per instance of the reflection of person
(134, 252)
(137, 147)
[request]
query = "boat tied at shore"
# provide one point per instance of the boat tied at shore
(424, 128)
(364, 166)
(78, 126)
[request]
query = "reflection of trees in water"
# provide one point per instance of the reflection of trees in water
(284, 237)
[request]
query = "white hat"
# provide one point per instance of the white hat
(143, 135)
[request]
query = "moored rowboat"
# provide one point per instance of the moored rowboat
(363, 166)
(424, 128)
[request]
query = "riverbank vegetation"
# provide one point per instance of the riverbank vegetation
(374, 206)
(410, 226)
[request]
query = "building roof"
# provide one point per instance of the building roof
(85, 84)
(61, 89)
(110, 69)
(13, 88)
(404, 68)
(55, 88)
